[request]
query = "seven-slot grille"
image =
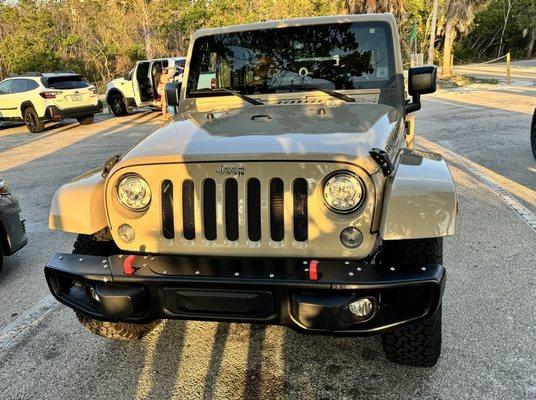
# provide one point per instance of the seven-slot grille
(254, 215)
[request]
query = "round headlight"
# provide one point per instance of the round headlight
(134, 192)
(343, 192)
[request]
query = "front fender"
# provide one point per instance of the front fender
(78, 206)
(419, 199)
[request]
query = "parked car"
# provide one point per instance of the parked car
(12, 233)
(533, 133)
(37, 98)
(138, 87)
(271, 200)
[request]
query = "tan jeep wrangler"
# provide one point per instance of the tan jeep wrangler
(285, 191)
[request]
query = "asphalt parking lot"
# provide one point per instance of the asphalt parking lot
(489, 316)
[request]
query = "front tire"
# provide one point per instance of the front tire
(86, 120)
(117, 105)
(101, 244)
(31, 119)
(116, 330)
(533, 134)
(417, 344)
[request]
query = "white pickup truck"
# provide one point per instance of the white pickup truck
(138, 87)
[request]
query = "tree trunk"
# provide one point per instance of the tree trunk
(447, 49)
(530, 46)
(506, 16)
(432, 34)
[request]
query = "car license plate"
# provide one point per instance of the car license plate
(76, 97)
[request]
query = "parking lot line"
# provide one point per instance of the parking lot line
(436, 100)
(30, 318)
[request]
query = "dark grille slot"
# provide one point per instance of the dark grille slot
(168, 223)
(188, 217)
(231, 209)
(254, 210)
(300, 210)
(209, 209)
(277, 224)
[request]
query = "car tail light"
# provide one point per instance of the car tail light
(49, 94)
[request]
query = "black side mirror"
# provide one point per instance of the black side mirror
(127, 77)
(173, 92)
(421, 80)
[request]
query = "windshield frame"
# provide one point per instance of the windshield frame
(386, 24)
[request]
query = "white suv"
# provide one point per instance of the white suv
(39, 98)
(138, 87)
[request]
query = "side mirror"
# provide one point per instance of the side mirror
(421, 80)
(127, 77)
(173, 92)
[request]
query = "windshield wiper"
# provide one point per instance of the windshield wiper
(333, 93)
(247, 99)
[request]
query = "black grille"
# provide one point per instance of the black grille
(188, 217)
(300, 210)
(254, 193)
(277, 225)
(168, 224)
(254, 210)
(231, 209)
(209, 209)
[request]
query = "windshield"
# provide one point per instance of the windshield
(335, 56)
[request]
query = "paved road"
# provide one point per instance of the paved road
(490, 301)
(521, 71)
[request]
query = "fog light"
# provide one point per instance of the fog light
(361, 307)
(126, 233)
(351, 237)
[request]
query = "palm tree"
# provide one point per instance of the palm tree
(395, 7)
(458, 17)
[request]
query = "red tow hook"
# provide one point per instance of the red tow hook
(313, 270)
(128, 265)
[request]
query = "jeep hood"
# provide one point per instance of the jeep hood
(322, 132)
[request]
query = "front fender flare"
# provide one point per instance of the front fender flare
(419, 198)
(79, 206)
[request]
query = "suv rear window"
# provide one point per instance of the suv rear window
(66, 82)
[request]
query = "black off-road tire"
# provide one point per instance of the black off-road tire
(31, 119)
(415, 251)
(117, 105)
(1, 257)
(116, 330)
(86, 120)
(533, 134)
(417, 344)
(101, 244)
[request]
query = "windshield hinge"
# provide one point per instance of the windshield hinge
(382, 159)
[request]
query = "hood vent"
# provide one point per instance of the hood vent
(299, 101)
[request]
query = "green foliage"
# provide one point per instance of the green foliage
(483, 39)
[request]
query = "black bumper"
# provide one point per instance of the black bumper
(12, 232)
(270, 291)
(55, 114)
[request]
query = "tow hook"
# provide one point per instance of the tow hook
(128, 265)
(313, 270)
